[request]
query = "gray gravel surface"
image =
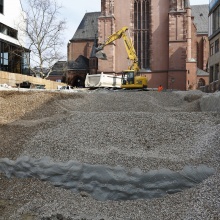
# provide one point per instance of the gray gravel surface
(131, 129)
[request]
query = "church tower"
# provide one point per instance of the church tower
(134, 14)
(106, 27)
(180, 42)
(164, 38)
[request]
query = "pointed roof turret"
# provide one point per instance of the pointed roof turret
(187, 4)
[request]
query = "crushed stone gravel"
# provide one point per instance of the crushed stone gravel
(132, 129)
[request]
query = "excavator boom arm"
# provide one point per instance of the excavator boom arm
(130, 78)
(131, 52)
(112, 38)
(128, 46)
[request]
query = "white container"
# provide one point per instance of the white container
(102, 81)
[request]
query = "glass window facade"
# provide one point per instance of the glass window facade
(13, 58)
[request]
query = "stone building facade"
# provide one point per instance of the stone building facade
(214, 38)
(200, 20)
(80, 51)
(165, 38)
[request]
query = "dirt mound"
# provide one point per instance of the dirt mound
(17, 104)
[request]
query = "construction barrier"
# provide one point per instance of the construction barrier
(12, 79)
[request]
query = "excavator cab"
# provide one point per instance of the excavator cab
(127, 77)
(132, 81)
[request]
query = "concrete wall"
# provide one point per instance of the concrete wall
(12, 78)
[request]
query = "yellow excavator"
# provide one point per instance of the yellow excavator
(131, 78)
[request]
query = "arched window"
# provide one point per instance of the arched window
(142, 32)
(201, 82)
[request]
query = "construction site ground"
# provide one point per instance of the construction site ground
(114, 137)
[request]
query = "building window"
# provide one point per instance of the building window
(201, 82)
(142, 32)
(211, 49)
(217, 46)
(12, 58)
(1, 6)
(8, 31)
(216, 19)
(216, 72)
(211, 74)
(25, 63)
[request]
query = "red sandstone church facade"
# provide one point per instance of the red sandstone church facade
(165, 37)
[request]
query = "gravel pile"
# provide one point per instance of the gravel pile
(146, 131)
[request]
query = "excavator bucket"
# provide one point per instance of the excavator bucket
(101, 55)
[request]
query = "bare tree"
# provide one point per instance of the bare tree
(44, 32)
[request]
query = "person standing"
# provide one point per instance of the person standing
(160, 88)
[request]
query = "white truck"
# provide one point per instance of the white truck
(102, 81)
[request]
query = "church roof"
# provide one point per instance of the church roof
(59, 65)
(81, 63)
(88, 27)
(200, 13)
(202, 72)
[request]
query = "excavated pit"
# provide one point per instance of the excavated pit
(105, 182)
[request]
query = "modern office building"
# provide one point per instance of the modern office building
(14, 56)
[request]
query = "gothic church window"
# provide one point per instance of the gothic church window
(141, 32)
